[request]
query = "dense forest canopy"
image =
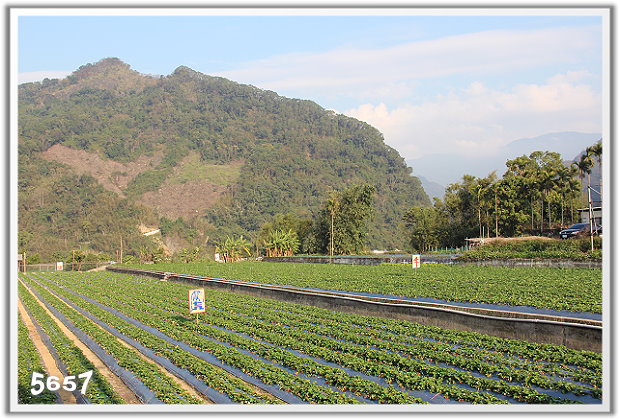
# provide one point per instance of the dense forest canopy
(272, 155)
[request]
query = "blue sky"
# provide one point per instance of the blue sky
(467, 84)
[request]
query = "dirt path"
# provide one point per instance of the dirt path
(49, 363)
(126, 393)
(119, 386)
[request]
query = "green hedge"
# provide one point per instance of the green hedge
(572, 249)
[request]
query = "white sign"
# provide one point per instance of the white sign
(60, 266)
(416, 261)
(197, 301)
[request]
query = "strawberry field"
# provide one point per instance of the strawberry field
(246, 350)
(572, 289)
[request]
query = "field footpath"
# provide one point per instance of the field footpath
(49, 363)
(579, 334)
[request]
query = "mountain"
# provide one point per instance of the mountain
(432, 189)
(107, 151)
(566, 144)
(448, 168)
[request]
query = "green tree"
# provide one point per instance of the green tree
(281, 243)
(596, 151)
(350, 210)
(233, 249)
(422, 225)
(300, 226)
(458, 212)
(540, 172)
(568, 187)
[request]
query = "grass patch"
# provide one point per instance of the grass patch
(193, 169)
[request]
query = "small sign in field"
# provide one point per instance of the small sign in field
(416, 261)
(197, 301)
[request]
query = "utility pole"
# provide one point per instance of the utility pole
(591, 215)
(121, 255)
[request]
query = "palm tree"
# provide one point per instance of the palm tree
(145, 254)
(567, 185)
(585, 165)
(596, 150)
(548, 182)
(281, 243)
(233, 248)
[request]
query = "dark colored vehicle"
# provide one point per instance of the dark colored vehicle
(578, 230)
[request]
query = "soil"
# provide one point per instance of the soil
(113, 176)
(185, 200)
(49, 363)
(188, 199)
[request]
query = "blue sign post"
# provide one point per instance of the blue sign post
(197, 302)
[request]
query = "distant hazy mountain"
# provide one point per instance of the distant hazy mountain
(432, 188)
(447, 168)
(567, 144)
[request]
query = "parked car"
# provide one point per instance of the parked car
(579, 230)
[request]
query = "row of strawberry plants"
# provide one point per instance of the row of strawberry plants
(342, 321)
(518, 348)
(253, 307)
(433, 352)
(29, 362)
(428, 382)
(529, 395)
(335, 377)
(573, 289)
(545, 375)
(461, 356)
(214, 377)
(376, 362)
(269, 374)
(305, 365)
(150, 374)
(99, 390)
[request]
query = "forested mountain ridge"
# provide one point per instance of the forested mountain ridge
(137, 139)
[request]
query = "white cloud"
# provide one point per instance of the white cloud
(479, 120)
(37, 76)
(363, 72)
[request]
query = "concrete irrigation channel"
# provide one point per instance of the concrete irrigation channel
(575, 333)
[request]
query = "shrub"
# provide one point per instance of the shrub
(576, 249)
